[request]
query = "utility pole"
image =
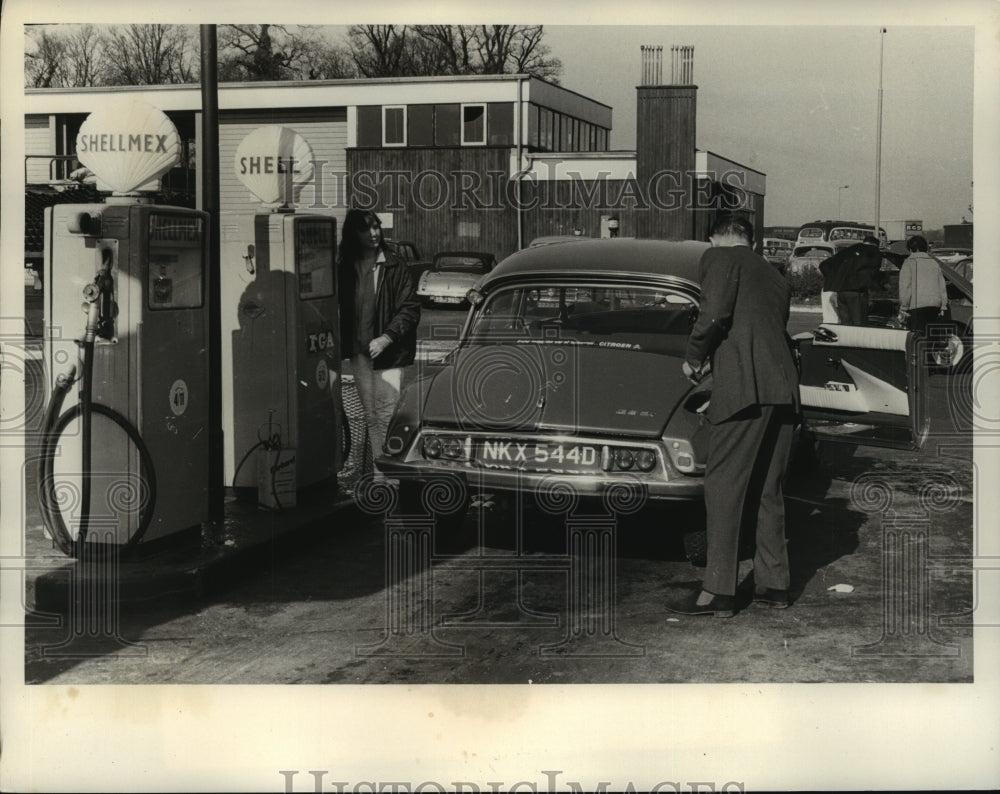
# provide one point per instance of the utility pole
(878, 138)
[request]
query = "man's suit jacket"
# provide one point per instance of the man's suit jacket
(854, 269)
(741, 329)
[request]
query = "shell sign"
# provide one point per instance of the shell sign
(274, 163)
(128, 143)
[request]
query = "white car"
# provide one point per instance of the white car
(809, 255)
(951, 256)
(452, 275)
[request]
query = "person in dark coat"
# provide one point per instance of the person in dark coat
(850, 274)
(379, 314)
(740, 335)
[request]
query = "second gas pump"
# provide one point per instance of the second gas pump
(281, 330)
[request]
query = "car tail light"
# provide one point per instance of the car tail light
(627, 458)
(645, 460)
(432, 447)
(624, 459)
(452, 447)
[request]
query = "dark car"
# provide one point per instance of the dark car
(410, 256)
(453, 274)
(568, 376)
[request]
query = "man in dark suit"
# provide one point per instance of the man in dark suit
(851, 273)
(740, 336)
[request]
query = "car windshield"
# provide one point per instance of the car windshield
(460, 264)
(640, 319)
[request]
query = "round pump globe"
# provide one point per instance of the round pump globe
(274, 163)
(128, 143)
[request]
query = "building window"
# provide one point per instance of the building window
(473, 125)
(369, 126)
(394, 125)
(420, 125)
(500, 123)
(447, 125)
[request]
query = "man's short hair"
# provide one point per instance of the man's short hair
(869, 240)
(916, 243)
(738, 225)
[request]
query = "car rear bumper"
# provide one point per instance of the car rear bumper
(684, 487)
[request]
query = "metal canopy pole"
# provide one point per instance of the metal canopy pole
(209, 158)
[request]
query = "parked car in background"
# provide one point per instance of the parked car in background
(777, 250)
(811, 254)
(452, 275)
(953, 335)
(566, 383)
(951, 256)
(410, 256)
(964, 268)
(552, 239)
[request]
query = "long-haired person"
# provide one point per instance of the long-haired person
(379, 313)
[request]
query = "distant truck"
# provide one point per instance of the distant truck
(957, 235)
(901, 230)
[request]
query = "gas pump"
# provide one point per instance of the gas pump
(124, 459)
(279, 294)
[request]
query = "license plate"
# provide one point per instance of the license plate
(448, 299)
(544, 456)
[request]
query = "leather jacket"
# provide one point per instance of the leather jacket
(397, 312)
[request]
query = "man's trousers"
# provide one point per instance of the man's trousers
(747, 458)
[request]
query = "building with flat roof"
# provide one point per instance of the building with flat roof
(484, 162)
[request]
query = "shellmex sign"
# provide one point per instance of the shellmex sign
(127, 144)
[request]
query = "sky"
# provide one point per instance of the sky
(801, 105)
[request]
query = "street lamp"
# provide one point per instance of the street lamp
(842, 187)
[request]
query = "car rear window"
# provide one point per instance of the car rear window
(460, 264)
(817, 251)
(632, 318)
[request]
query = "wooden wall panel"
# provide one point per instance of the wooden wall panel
(444, 199)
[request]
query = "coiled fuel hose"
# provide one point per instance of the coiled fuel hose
(97, 296)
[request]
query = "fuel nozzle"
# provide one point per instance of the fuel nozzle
(99, 303)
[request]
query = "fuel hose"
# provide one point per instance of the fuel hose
(55, 424)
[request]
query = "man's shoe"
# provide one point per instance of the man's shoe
(769, 597)
(720, 606)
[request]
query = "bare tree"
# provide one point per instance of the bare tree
(324, 61)
(518, 49)
(150, 55)
(86, 63)
(44, 59)
(390, 51)
(259, 52)
(380, 50)
(529, 55)
(450, 49)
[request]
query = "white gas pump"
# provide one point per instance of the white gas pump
(124, 460)
(279, 294)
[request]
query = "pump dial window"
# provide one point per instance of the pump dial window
(176, 271)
